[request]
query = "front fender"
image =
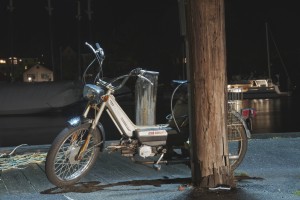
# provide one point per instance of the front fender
(77, 121)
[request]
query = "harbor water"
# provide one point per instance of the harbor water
(279, 115)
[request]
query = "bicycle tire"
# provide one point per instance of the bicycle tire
(62, 169)
(237, 139)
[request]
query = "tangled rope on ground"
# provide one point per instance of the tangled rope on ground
(12, 161)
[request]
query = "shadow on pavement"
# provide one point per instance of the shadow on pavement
(188, 192)
(93, 186)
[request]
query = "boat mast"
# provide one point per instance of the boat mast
(268, 53)
(269, 33)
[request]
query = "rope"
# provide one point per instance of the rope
(10, 161)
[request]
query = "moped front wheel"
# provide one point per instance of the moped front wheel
(63, 167)
(237, 140)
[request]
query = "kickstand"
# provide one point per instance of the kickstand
(157, 166)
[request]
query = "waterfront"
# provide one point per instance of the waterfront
(273, 116)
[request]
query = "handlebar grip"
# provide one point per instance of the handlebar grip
(100, 51)
(97, 45)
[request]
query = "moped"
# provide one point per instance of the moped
(76, 148)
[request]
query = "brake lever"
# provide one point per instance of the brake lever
(146, 79)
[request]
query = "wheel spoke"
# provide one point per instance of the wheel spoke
(66, 166)
(236, 137)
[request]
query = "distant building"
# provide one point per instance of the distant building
(12, 68)
(38, 73)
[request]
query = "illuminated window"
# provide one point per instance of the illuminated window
(13, 60)
(45, 76)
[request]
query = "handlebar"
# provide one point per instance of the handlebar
(99, 53)
(91, 47)
(135, 72)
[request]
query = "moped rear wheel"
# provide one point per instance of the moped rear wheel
(62, 166)
(237, 140)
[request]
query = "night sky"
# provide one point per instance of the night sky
(246, 36)
(147, 33)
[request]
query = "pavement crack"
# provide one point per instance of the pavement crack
(30, 183)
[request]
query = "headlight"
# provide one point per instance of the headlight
(92, 92)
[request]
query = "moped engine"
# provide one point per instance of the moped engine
(145, 151)
(152, 137)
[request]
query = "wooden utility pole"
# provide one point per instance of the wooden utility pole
(207, 70)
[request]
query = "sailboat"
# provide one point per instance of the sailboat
(261, 88)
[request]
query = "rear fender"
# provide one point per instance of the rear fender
(240, 117)
(77, 121)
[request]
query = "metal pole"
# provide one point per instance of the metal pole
(79, 38)
(50, 8)
(11, 8)
(182, 20)
(145, 99)
(89, 13)
(268, 52)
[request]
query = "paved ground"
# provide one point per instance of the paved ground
(272, 166)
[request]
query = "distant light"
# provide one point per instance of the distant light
(29, 79)
(2, 61)
(14, 60)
